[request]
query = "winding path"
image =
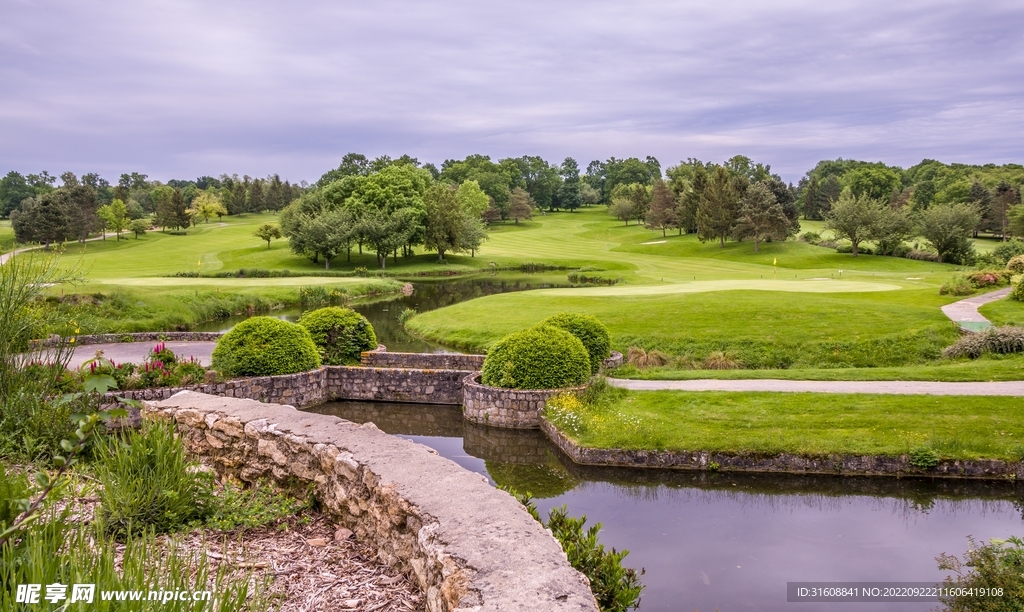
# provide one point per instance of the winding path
(965, 312)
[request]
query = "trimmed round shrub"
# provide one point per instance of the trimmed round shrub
(1016, 264)
(341, 334)
(591, 332)
(541, 357)
(265, 346)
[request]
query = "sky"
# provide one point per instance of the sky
(179, 89)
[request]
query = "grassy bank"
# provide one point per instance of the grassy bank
(151, 304)
(1004, 312)
(812, 424)
(988, 368)
(6, 235)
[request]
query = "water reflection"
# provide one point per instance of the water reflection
(728, 541)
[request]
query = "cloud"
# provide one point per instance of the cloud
(179, 88)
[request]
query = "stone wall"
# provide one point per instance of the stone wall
(467, 545)
(497, 407)
(420, 386)
(614, 361)
(875, 465)
(331, 383)
(443, 361)
(170, 336)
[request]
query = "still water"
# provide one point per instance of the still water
(728, 542)
(427, 295)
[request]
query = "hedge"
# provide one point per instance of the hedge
(265, 346)
(341, 334)
(542, 357)
(591, 332)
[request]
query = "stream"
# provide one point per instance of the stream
(728, 541)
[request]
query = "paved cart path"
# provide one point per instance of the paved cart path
(965, 312)
(136, 352)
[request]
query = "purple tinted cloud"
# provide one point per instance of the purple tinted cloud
(180, 88)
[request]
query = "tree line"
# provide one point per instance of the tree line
(40, 211)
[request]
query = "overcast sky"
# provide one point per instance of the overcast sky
(176, 89)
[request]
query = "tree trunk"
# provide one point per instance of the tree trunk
(440, 256)
(721, 241)
(854, 248)
(360, 247)
(348, 254)
(327, 263)
(756, 240)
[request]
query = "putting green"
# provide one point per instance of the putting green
(187, 283)
(799, 286)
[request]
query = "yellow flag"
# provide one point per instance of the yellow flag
(775, 261)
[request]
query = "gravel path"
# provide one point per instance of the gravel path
(965, 312)
(135, 352)
(886, 387)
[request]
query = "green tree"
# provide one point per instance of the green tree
(521, 205)
(948, 228)
(163, 200)
(588, 194)
(328, 234)
(891, 228)
(387, 231)
(81, 205)
(1004, 200)
(444, 220)
(268, 232)
(662, 212)
(761, 216)
(569, 195)
(43, 219)
(14, 189)
(207, 204)
(717, 207)
(875, 182)
(139, 227)
(852, 218)
(115, 217)
(472, 200)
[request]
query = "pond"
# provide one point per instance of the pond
(427, 295)
(728, 541)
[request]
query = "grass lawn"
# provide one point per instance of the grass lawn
(1004, 312)
(989, 367)
(6, 235)
(811, 424)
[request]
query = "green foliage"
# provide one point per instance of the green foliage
(1008, 250)
(1017, 294)
(948, 228)
(543, 357)
(998, 565)
(31, 428)
(13, 487)
(406, 314)
(148, 484)
(924, 458)
(340, 334)
(265, 346)
(959, 284)
(235, 507)
(1016, 263)
(616, 588)
(1002, 340)
(318, 296)
(591, 332)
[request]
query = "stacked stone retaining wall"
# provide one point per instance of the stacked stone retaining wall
(497, 407)
(467, 545)
(437, 361)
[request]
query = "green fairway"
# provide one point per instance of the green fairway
(6, 235)
(813, 285)
(811, 424)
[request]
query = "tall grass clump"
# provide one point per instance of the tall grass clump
(1001, 340)
(148, 484)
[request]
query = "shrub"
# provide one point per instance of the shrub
(265, 346)
(924, 458)
(616, 588)
(811, 237)
(580, 278)
(161, 353)
(989, 278)
(341, 334)
(1018, 291)
(848, 248)
(13, 487)
(958, 285)
(148, 484)
(720, 360)
(247, 508)
(405, 315)
(923, 255)
(641, 358)
(1016, 264)
(542, 357)
(1003, 340)
(591, 332)
(998, 565)
(1008, 250)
